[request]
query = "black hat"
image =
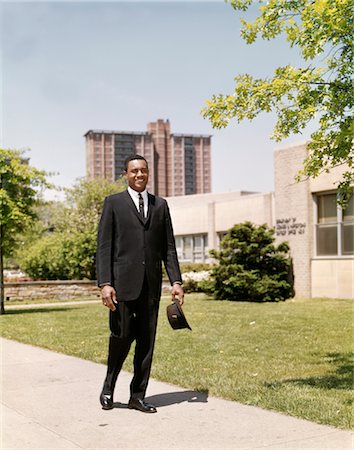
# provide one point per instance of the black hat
(176, 317)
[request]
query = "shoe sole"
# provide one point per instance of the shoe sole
(107, 408)
(143, 411)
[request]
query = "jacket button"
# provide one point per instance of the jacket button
(144, 262)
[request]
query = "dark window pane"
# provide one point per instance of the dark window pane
(348, 213)
(187, 247)
(326, 240)
(197, 256)
(327, 208)
(197, 241)
(348, 239)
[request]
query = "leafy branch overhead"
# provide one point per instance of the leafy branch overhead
(321, 92)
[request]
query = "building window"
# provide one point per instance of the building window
(334, 227)
(221, 235)
(348, 228)
(189, 166)
(192, 248)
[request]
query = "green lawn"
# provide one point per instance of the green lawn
(293, 357)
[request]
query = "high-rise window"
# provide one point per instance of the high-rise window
(189, 164)
(123, 147)
(334, 227)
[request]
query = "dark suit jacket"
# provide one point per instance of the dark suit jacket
(129, 246)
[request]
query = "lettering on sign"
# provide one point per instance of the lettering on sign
(289, 226)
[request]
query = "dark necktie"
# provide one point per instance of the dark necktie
(141, 205)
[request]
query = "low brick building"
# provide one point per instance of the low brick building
(306, 214)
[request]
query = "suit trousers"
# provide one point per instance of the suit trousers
(132, 320)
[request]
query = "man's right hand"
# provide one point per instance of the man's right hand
(109, 297)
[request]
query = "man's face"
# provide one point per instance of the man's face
(137, 174)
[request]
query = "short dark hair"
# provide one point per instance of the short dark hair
(132, 158)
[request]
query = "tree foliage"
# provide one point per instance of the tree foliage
(66, 249)
(322, 90)
(20, 185)
(251, 267)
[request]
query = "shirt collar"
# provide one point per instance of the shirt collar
(135, 194)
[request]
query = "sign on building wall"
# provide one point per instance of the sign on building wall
(289, 226)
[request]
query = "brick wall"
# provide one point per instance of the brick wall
(60, 290)
(294, 213)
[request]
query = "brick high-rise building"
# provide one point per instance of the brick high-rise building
(179, 163)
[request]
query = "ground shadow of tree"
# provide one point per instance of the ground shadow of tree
(341, 377)
(43, 309)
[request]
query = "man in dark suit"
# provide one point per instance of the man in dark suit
(134, 236)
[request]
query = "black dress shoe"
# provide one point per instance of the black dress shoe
(106, 401)
(140, 405)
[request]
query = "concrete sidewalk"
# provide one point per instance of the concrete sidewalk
(50, 401)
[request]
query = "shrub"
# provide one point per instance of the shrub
(46, 259)
(251, 267)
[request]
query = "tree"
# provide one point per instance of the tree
(250, 267)
(67, 250)
(19, 185)
(320, 91)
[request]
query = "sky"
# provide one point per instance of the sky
(68, 67)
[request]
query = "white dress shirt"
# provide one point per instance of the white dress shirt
(135, 197)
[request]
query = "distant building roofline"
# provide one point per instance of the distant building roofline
(145, 133)
(302, 143)
(135, 133)
(191, 135)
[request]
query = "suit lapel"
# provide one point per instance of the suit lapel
(131, 204)
(151, 207)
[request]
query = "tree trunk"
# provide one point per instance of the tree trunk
(2, 290)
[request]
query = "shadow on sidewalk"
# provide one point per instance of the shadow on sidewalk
(171, 398)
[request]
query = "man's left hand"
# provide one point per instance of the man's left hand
(177, 291)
